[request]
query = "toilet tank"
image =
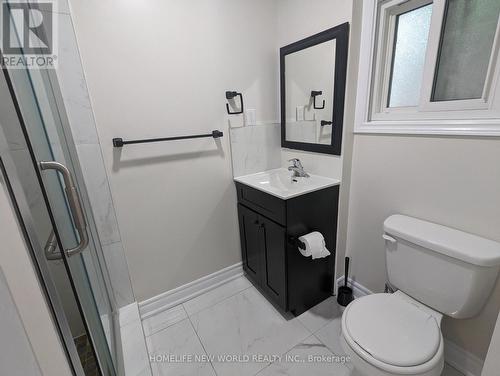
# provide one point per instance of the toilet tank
(449, 270)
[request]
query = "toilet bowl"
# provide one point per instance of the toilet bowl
(400, 333)
(392, 334)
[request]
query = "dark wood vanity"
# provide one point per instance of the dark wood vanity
(269, 229)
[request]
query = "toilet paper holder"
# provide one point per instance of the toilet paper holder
(296, 242)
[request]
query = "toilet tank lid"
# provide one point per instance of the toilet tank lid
(454, 243)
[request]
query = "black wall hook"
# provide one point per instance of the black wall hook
(231, 95)
(314, 94)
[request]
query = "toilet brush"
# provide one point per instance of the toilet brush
(344, 293)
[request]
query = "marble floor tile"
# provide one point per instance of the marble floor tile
(179, 341)
(216, 295)
(310, 357)
(246, 325)
(330, 336)
(321, 314)
(163, 320)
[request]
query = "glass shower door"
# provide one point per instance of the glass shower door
(60, 221)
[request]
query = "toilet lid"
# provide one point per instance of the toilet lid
(393, 330)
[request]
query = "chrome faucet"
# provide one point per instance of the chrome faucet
(298, 170)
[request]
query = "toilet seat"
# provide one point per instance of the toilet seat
(393, 333)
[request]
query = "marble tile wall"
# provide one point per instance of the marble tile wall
(82, 123)
(255, 148)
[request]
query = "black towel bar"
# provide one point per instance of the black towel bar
(119, 142)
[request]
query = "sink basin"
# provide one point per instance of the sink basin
(279, 183)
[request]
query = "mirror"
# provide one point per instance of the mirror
(313, 78)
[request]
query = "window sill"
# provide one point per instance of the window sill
(481, 128)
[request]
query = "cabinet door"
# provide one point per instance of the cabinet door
(250, 242)
(273, 248)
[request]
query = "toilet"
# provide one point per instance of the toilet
(436, 271)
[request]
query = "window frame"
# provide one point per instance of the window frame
(457, 117)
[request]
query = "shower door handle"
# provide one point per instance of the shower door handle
(75, 205)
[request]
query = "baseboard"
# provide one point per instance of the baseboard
(462, 360)
(358, 290)
(454, 355)
(179, 295)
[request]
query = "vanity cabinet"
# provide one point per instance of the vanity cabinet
(269, 227)
(263, 247)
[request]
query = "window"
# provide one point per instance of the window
(430, 66)
(466, 44)
(411, 33)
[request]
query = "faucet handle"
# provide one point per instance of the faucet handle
(296, 162)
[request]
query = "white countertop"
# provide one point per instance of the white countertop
(279, 183)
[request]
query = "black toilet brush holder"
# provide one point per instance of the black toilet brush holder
(344, 293)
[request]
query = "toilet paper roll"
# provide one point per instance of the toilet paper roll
(315, 245)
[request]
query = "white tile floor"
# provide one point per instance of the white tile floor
(234, 330)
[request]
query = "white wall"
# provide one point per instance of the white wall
(160, 68)
(451, 181)
(34, 323)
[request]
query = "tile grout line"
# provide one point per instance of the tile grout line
(289, 349)
(201, 343)
(325, 325)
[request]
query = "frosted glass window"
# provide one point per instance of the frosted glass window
(466, 43)
(412, 31)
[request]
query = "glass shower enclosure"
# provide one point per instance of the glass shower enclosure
(39, 164)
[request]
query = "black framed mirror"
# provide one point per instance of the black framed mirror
(312, 91)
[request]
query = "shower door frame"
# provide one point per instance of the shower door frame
(21, 208)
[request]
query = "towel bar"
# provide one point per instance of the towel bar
(119, 142)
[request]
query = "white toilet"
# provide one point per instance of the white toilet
(437, 271)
